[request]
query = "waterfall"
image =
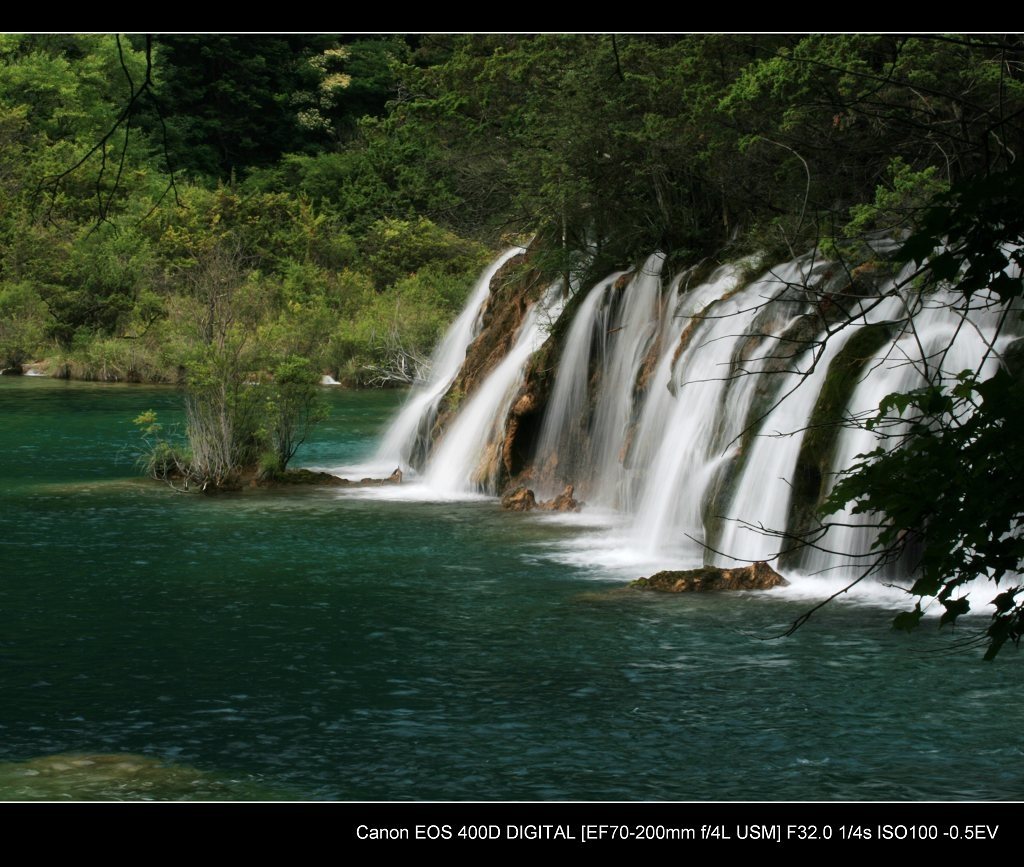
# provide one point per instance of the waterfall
(615, 325)
(696, 437)
(561, 431)
(466, 458)
(413, 423)
(898, 367)
(684, 403)
(624, 347)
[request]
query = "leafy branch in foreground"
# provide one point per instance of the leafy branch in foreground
(946, 483)
(951, 489)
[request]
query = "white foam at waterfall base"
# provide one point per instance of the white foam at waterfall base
(890, 595)
(614, 557)
(411, 492)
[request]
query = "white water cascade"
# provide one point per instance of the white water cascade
(695, 438)
(682, 403)
(416, 417)
(616, 326)
(465, 459)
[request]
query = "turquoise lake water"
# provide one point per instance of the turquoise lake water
(324, 644)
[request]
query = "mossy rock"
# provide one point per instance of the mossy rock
(817, 450)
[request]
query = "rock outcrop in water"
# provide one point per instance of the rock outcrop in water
(564, 502)
(756, 576)
(522, 499)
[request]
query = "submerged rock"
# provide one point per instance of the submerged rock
(394, 479)
(104, 776)
(709, 579)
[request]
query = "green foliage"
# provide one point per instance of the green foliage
(147, 423)
(234, 103)
(897, 206)
(227, 99)
(103, 277)
(239, 421)
(158, 457)
(21, 323)
(294, 407)
(952, 486)
(69, 83)
(328, 162)
(980, 224)
(394, 248)
(223, 415)
(899, 202)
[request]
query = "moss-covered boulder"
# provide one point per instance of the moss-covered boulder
(319, 478)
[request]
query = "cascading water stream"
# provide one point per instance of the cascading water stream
(683, 304)
(464, 460)
(624, 346)
(698, 434)
(564, 425)
(416, 417)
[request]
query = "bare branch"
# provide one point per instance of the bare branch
(52, 184)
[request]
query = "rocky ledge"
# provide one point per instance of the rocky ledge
(522, 499)
(710, 579)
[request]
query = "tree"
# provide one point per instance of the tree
(293, 408)
(248, 405)
(227, 99)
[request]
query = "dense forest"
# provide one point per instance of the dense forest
(211, 209)
(333, 196)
